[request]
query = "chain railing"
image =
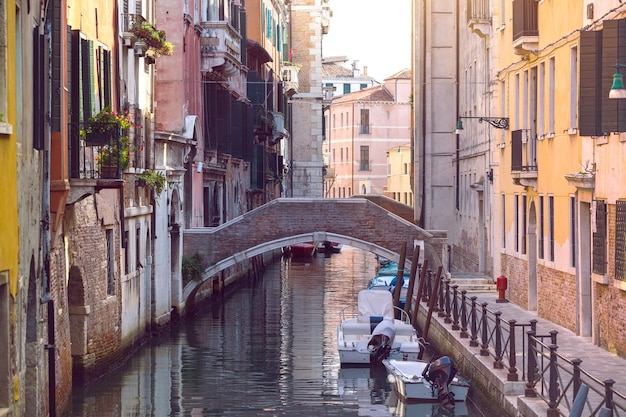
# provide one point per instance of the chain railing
(548, 375)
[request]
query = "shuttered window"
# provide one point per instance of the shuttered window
(599, 52)
(620, 240)
(599, 238)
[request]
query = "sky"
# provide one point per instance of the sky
(377, 33)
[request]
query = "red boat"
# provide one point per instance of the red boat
(303, 250)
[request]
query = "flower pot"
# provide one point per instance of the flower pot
(109, 172)
(140, 47)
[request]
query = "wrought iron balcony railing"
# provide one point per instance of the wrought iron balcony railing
(96, 151)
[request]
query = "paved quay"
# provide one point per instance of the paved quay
(598, 362)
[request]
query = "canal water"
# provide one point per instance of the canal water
(268, 348)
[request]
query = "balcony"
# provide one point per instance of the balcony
(93, 148)
(523, 158)
(279, 130)
(131, 20)
(525, 26)
(290, 78)
(220, 45)
(479, 17)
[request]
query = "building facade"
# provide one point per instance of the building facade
(361, 127)
(399, 174)
(533, 179)
(309, 20)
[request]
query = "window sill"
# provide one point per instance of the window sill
(600, 279)
(6, 129)
(620, 285)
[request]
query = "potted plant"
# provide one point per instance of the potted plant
(154, 180)
(113, 155)
(151, 39)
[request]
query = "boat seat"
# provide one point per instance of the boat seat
(356, 329)
(372, 320)
(404, 329)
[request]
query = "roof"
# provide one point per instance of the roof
(331, 59)
(334, 70)
(376, 93)
(404, 74)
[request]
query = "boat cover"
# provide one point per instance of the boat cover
(386, 328)
(375, 304)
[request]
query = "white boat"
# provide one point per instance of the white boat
(356, 330)
(420, 381)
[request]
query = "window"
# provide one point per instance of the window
(3, 67)
(517, 99)
(599, 237)
(524, 219)
(110, 261)
(364, 164)
(525, 103)
(341, 155)
(573, 87)
(341, 120)
(573, 230)
(541, 230)
(5, 337)
(541, 101)
(138, 248)
(503, 237)
(551, 228)
(365, 122)
(503, 98)
(405, 168)
(346, 88)
(334, 159)
(347, 158)
(362, 86)
(516, 201)
(551, 97)
(620, 240)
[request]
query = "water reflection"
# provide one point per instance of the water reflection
(269, 349)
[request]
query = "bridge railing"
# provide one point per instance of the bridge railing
(548, 374)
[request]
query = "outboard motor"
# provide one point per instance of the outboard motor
(382, 339)
(440, 373)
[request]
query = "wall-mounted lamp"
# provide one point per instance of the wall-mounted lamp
(497, 122)
(617, 89)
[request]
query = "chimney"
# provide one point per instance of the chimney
(365, 71)
(356, 72)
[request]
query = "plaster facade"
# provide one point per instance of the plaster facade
(361, 128)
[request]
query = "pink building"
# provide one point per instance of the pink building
(360, 128)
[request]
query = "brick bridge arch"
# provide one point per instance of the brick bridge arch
(356, 222)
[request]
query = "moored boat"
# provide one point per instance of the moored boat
(329, 247)
(303, 250)
(355, 333)
(420, 381)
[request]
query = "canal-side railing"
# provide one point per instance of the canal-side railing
(548, 375)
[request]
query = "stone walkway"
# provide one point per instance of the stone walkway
(595, 360)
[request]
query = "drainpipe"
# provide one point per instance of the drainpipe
(45, 40)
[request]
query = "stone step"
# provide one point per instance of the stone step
(473, 282)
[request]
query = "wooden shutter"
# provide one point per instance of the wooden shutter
(589, 109)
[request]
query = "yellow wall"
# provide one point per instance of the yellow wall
(399, 181)
(555, 41)
(8, 161)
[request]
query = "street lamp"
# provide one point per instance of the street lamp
(617, 89)
(497, 122)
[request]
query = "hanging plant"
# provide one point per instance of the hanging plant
(155, 39)
(154, 180)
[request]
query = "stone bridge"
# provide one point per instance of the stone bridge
(356, 222)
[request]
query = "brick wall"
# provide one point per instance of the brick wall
(284, 218)
(87, 285)
(610, 301)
